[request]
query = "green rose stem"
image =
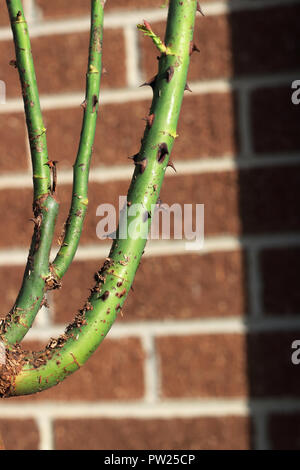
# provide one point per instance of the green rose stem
(34, 119)
(74, 223)
(26, 373)
(45, 206)
(37, 278)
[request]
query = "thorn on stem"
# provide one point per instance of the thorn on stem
(134, 157)
(95, 102)
(142, 164)
(169, 73)
(150, 120)
(193, 48)
(199, 9)
(162, 152)
(150, 82)
(187, 88)
(171, 164)
(105, 295)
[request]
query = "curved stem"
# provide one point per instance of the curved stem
(34, 372)
(34, 119)
(37, 278)
(31, 295)
(45, 207)
(74, 223)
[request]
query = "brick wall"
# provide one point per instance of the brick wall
(202, 355)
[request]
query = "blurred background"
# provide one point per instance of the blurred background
(201, 358)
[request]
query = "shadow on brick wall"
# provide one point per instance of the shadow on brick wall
(269, 198)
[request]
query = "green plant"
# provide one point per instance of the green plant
(29, 372)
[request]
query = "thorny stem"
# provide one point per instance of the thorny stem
(31, 295)
(74, 223)
(30, 373)
(34, 119)
(45, 206)
(37, 278)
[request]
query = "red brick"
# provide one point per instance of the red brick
(114, 372)
(202, 129)
(284, 431)
(8, 73)
(169, 434)
(75, 290)
(249, 201)
(56, 69)
(13, 143)
(267, 199)
(10, 283)
(19, 434)
(4, 19)
(212, 285)
(98, 194)
(60, 8)
(120, 128)
(254, 53)
(226, 50)
(18, 210)
(274, 120)
(200, 365)
(280, 268)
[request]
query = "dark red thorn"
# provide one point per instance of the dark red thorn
(151, 82)
(150, 120)
(170, 73)
(134, 157)
(142, 164)
(83, 104)
(199, 8)
(51, 163)
(95, 102)
(171, 164)
(187, 88)
(36, 220)
(162, 152)
(105, 295)
(193, 48)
